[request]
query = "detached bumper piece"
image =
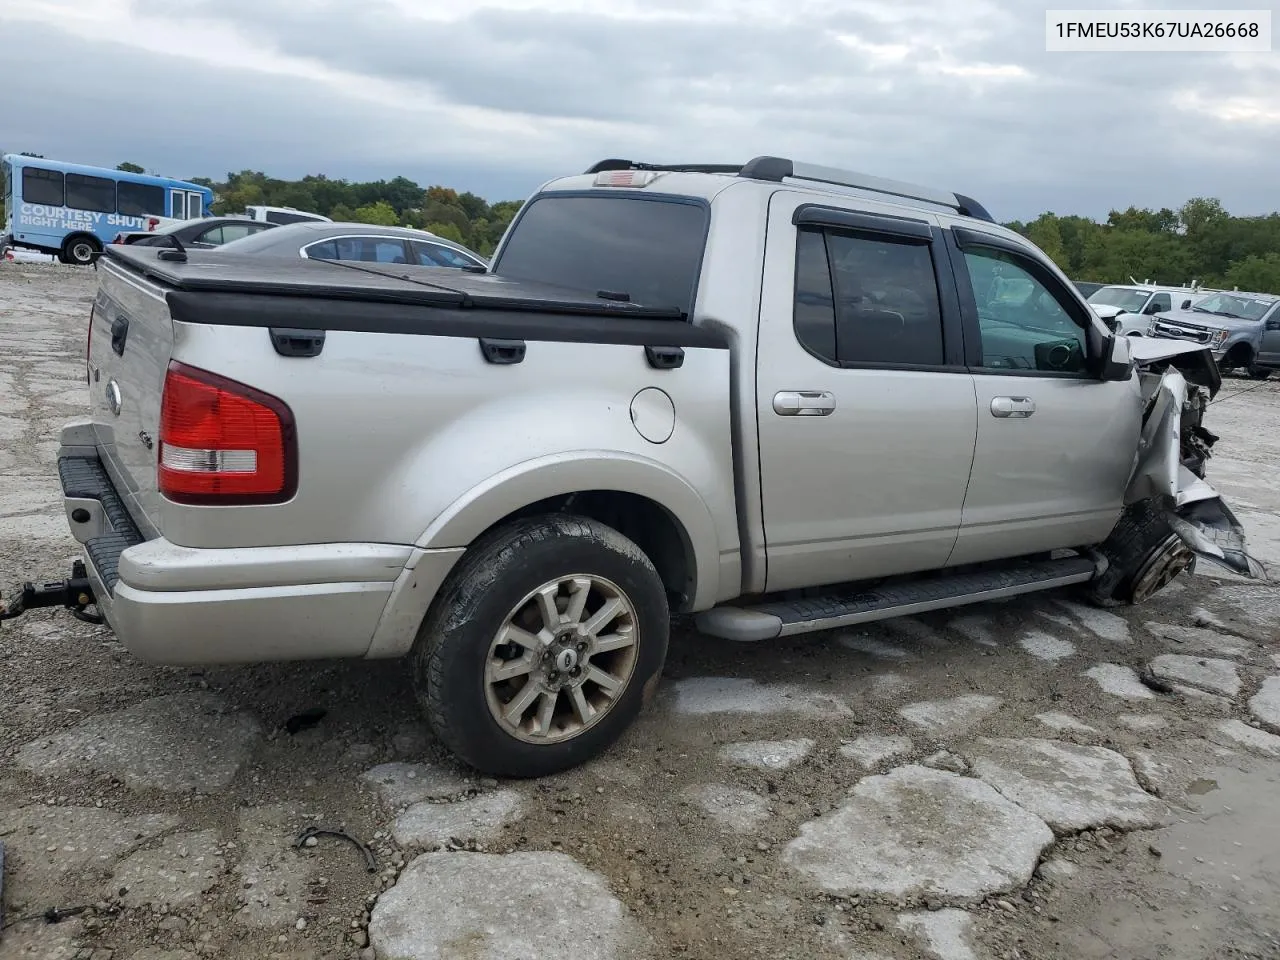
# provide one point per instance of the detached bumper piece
(1212, 532)
(74, 593)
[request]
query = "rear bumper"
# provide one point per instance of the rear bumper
(183, 605)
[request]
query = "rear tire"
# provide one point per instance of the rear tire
(519, 667)
(80, 250)
(1143, 554)
(1259, 373)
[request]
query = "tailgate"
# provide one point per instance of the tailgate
(130, 341)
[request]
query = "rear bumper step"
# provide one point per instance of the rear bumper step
(84, 478)
(844, 607)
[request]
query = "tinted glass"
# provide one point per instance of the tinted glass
(277, 216)
(650, 249)
(225, 233)
(1023, 324)
(436, 255)
(815, 315)
(42, 186)
(887, 308)
(96, 194)
(139, 200)
(325, 250)
(1131, 301)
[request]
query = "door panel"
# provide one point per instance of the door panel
(1055, 446)
(863, 468)
(1269, 350)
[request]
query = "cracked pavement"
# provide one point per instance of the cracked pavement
(986, 784)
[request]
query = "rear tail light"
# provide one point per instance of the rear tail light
(625, 178)
(223, 442)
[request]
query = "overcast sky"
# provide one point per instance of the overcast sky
(495, 96)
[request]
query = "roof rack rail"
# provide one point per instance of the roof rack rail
(614, 164)
(778, 169)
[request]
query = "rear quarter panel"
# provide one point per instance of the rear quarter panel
(414, 439)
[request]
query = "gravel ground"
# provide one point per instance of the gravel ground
(991, 783)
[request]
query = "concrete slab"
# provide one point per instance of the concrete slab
(480, 818)
(950, 716)
(1061, 722)
(1142, 722)
(872, 749)
(1265, 705)
(768, 754)
(1204, 673)
(1106, 626)
(944, 934)
(1240, 734)
(273, 874)
(1045, 646)
(1200, 640)
(50, 848)
(176, 874)
(1119, 681)
(38, 940)
(733, 808)
(1069, 786)
(177, 743)
(401, 784)
(917, 832)
(700, 696)
(489, 907)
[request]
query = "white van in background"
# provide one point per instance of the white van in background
(283, 215)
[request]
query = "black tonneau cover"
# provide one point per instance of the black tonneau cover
(214, 271)
(283, 294)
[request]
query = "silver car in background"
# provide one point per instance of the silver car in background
(361, 242)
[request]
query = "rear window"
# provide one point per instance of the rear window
(280, 217)
(648, 248)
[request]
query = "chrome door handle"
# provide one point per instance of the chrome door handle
(804, 403)
(1012, 407)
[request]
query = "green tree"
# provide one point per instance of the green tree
(1256, 274)
(449, 231)
(128, 167)
(380, 213)
(1045, 233)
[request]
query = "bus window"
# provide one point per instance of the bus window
(195, 206)
(95, 194)
(139, 200)
(42, 186)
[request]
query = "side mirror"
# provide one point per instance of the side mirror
(1117, 363)
(1186, 304)
(1151, 309)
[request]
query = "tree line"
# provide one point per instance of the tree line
(1199, 241)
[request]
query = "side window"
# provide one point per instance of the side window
(96, 194)
(139, 200)
(436, 255)
(1022, 323)
(368, 249)
(867, 299)
(195, 206)
(213, 236)
(324, 250)
(1160, 303)
(42, 186)
(228, 232)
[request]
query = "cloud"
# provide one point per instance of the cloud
(957, 93)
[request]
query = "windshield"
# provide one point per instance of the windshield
(648, 249)
(1234, 306)
(1130, 301)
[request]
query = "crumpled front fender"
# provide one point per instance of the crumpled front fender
(1195, 510)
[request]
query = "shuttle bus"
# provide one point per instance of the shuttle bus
(71, 211)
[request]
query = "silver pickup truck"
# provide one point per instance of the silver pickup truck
(778, 397)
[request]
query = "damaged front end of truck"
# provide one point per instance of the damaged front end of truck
(1178, 381)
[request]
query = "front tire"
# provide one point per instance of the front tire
(542, 647)
(1144, 556)
(1259, 373)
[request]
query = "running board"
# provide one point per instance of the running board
(847, 606)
